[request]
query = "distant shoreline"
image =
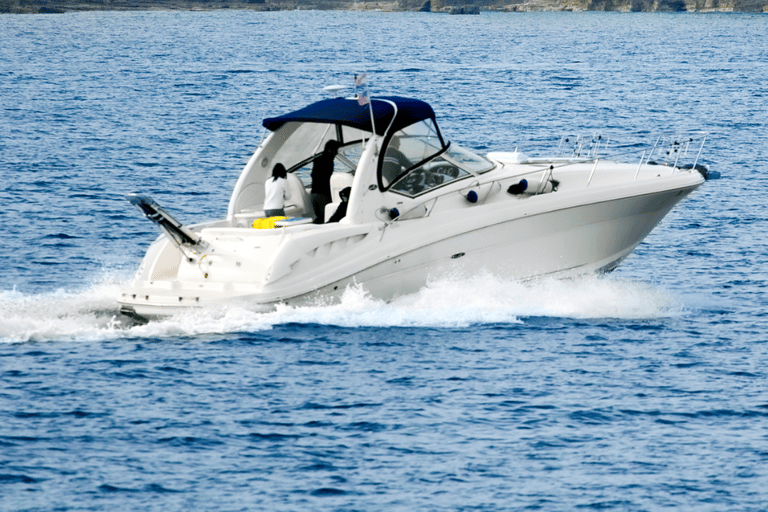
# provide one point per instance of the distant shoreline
(436, 6)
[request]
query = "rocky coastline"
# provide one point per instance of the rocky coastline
(436, 6)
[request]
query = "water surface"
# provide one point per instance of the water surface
(641, 390)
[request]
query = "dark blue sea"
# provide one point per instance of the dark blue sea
(644, 389)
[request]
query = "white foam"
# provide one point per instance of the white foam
(82, 315)
(92, 314)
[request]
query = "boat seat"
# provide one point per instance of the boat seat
(339, 181)
(330, 209)
(298, 204)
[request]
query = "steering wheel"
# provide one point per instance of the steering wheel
(434, 179)
(447, 170)
(413, 183)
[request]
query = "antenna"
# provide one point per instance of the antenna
(335, 89)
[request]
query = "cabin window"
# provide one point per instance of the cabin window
(349, 134)
(346, 161)
(349, 156)
(305, 140)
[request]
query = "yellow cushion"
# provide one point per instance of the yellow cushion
(266, 222)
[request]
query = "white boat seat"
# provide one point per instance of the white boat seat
(339, 181)
(330, 209)
(298, 204)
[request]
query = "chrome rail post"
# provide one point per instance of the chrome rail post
(677, 156)
(653, 149)
(639, 165)
(703, 140)
(593, 171)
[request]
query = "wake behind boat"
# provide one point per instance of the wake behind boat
(417, 207)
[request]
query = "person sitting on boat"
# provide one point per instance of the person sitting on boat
(395, 162)
(322, 168)
(276, 191)
(341, 211)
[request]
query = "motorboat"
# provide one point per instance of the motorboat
(418, 207)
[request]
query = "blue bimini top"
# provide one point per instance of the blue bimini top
(348, 112)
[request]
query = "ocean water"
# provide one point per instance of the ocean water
(641, 390)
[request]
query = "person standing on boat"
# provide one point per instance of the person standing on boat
(276, 191)
(322, 168)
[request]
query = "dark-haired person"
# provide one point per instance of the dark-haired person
(276, 191)
(322, 168)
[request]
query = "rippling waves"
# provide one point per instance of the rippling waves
(641, 390)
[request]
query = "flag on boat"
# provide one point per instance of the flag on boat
(361, 90)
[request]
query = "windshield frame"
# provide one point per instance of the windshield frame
(385, 145)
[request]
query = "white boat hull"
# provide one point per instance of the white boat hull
(415, 208)
(537, 236)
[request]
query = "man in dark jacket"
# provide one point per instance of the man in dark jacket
(322, 168)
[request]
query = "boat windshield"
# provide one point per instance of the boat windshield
(423, 178)
(468, 160)
(415, 161)
(407, 148)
